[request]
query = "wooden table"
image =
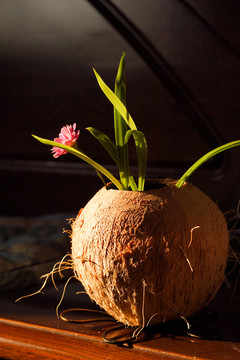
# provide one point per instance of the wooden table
(30, 329)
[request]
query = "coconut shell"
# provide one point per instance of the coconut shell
(150, 256)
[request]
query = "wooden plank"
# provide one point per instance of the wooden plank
(28, 341)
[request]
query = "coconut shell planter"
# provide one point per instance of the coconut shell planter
(146, 251)
(150, 256)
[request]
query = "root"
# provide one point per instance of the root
(234, 234)
(63, 294)
(35, 293)
(188, 246)
(190, 242)
(168, 304)
(187, 323)
(234, 255)
(69, 231)
(139, 329)
(235, 217)
(57, 269)
(235, 287)
(150, 319)
(187, 259)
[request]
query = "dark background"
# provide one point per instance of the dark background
(183, 71)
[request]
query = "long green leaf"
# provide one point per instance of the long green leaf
(205, 158)
(82, 156)
(106, 142)
(120, 125)
(142, 150)
(115, 102)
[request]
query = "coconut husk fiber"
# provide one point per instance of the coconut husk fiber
(150, 256)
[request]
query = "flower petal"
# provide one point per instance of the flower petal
(68, 136)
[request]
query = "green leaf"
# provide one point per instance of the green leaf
(120, 126)
(115, 102)
(205, 158)
(142, 150)
(105, 141)
(82, 156)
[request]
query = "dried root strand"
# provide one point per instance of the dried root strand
(139, 329)
(58, 268)
(235, 286)
(233, 254)
(191, 238)
(36, 292)
(63, 294)
(187, 259)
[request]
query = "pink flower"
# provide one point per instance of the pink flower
(68, 136)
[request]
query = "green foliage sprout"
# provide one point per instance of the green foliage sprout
(124, 129)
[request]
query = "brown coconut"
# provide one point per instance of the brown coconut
(150, 256)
